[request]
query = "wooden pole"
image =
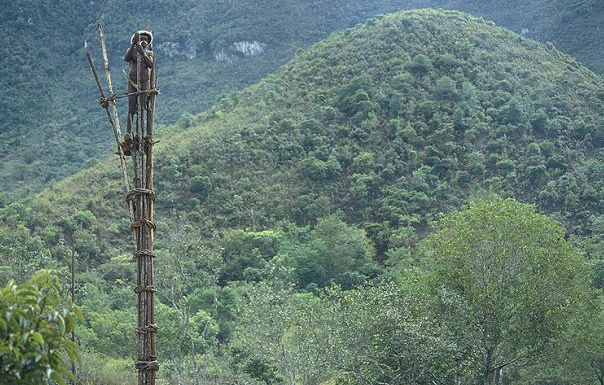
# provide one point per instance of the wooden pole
(73, 368)
(143, 164)
(137, 158)
(116, 132)
(109, 83)
(150, 229)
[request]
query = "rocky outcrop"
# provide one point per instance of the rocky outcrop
(174, 49)
(238, 50)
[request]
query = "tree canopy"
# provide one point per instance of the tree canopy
(520, 280)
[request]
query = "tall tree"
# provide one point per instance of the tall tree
(387, 334)
(522, 282)
(286, 332)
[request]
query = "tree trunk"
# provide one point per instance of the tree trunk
(194, 359)
(181, 364)
(488, 375)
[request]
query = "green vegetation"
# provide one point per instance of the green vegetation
(476, 313)
(51, 127)
(351, 128)
(51, 124)
(35, 331)
(295, 224)
(521, 283)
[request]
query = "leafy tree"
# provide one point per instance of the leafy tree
(579, 359)
(22, 254)
(245, 253)
(520, 279)
(35, 329)
(285, 331)
(315, 169)
(420, 65)
(110, 331)
(189, 330)
(445, 88)
(539, 121)
(387, 334)
(584, 346)
(403, 82)
(200, 186)
(333, 252)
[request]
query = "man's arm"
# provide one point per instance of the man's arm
(147, 55)
(128, 55)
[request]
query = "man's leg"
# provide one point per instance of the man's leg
(127, 142)
(132, 108)
(129, 126)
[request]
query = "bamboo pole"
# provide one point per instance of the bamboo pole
(115, 132)
(108, 77)
(150, 230)
(141, 281)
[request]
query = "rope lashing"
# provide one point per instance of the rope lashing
(144, 253)
(148, 140)
(139, 289)
(141, 223)
(104, 102)
(147, 365)
(153, 91)
(139, 191)
(147, 329)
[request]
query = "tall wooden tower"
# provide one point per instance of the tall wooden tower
(140, 199)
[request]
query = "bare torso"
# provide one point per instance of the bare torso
(146, 64)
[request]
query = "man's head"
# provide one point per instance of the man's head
(144, 36)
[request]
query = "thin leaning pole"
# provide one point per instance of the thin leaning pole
(113, 122)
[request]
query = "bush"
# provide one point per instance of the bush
(35, 327)
(200, 186)
(420, 65)
(445, 88)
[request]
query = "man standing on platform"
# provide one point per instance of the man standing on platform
(140, 44)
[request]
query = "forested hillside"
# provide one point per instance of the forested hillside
(331, 172)
(50, 125)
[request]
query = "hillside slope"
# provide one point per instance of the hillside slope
(50, 125)
(386, 125)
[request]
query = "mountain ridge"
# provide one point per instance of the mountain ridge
(41, 108)
(342, 142)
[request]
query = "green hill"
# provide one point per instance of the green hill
(328, 171)
(386, 125)
(50, 125)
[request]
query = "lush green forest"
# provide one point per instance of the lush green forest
(51, 126)
(300, 234)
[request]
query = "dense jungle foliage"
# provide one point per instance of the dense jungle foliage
(300, 237)
(50, 125)
(35, 327)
